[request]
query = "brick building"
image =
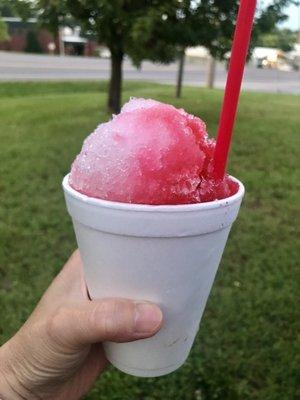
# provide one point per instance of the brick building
(26, 35)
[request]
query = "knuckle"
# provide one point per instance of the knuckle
(55, 321)
(110, 320)
(113, 316)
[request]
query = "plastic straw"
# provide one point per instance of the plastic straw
(238, 57)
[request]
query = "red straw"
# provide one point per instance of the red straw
(238, 57)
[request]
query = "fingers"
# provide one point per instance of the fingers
(117, 320)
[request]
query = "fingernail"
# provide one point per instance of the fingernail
(148, 318)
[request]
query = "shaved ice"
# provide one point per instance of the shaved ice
(150, 153)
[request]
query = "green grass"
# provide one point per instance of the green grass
(247, 346)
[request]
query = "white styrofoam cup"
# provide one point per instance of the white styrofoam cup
(165, 254)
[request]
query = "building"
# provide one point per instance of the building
(20, 31)
(28, 36)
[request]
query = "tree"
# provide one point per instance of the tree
(3, 30)
(53, 14)
(157, 30)
(210, 23)
(17, 8)
(283, 39)
(268, 18)
(141, 29)
(7, 8)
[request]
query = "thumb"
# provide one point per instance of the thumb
(116, 320)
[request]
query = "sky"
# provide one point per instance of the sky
(293, 22)
(294, 18)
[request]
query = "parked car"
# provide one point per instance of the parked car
(281, 63)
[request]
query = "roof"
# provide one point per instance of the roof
(198, 51)
(17, 19)
(74, 39)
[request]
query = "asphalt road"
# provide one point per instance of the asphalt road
(27, 67)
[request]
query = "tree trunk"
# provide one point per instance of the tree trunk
(180, 73)
(61, 44)
(211, 72)
(115, 84)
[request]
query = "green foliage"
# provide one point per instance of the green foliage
(283, 39)
(53, 14)
(156, 29)
(247, 346)
(151, 29)
(6, 8)
(273, 13)
(151, 34)
(133, 27)
(211, 24)
(17, 8)
(268, 18)
(3, 30)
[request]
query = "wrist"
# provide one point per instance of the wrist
(10, 387)
(7, 392)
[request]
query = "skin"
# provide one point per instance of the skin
(57, 354)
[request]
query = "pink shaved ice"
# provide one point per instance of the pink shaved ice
(150, 153)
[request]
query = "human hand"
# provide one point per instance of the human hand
(57, 354)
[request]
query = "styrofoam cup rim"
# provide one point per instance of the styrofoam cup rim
(154, 208)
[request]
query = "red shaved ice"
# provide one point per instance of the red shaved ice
(150, 153)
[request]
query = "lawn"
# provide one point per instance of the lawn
(247, 346)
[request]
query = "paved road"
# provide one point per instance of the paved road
(22, 67)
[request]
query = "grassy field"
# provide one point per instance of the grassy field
(247, 346)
